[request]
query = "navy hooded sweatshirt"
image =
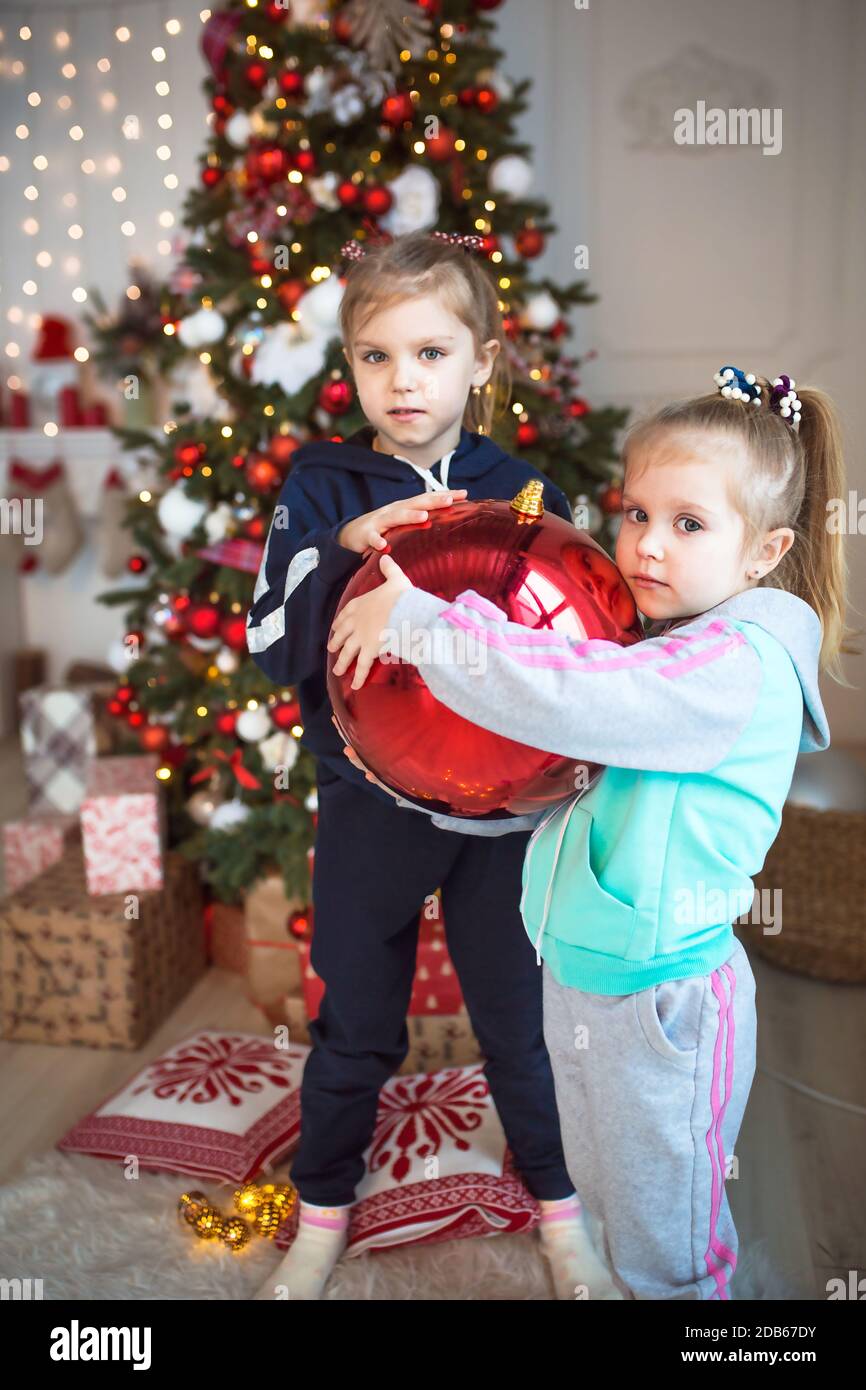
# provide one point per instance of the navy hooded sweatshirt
(304, 569)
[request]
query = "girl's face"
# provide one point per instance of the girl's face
(414, 364)
(679, 526)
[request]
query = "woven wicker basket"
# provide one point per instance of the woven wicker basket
(818, 860)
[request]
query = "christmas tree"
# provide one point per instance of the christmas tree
(365, 120)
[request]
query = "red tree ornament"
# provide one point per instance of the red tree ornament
(441, 147)
(527, 434)
(233, 631)
(397, 108)
(211, 176)
(285, 714)
(541, 572)
(262, 473)
(348, 194)
(486, 99)
(577, 408)
(529, 242)
(610, 498)
(137, 564)
(225, 722)
(256, 73)
(292, 83)
(281, 448)
(153, 737)
(202, 619)
(377, 199)
(336, 397)
(289, 292)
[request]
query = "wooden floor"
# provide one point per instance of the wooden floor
(801, 1189)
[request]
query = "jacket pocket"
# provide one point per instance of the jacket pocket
(562, 891)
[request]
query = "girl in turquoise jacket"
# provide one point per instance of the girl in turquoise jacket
(631, 886)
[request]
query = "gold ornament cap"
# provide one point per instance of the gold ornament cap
(529, 502)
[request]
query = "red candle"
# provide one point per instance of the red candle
(70, 406)
(19, 410)
(94, 415)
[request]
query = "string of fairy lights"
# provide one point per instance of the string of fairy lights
(43, 116)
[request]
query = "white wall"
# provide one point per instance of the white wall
(713, 255)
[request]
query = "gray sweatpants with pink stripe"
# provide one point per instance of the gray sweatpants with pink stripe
(651, 1088)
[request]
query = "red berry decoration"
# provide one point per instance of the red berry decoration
(541, 572)
(377, 199)
(527, 434)
(211, 176)
(285, 714)
(233, 631)
(558, 328)
(174, 626)
(124, 693)
(577, 408)
(466, 96)
(275, 11)
(441, 147)
(256, 529)
(336, 397)
(292, 82)
(489, 243)
(225, 722)
(203, 620)
(115, 707)
(221, 105)
(397, 108)
(529, 242)
(135, 718)
(136, 564)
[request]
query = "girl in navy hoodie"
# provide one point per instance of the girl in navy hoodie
(422, 333)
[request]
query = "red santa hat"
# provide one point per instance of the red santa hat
(53, 341)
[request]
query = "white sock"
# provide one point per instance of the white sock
(576, 1268)
(319, 1243)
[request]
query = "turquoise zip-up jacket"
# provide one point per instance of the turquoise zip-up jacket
(638, 878)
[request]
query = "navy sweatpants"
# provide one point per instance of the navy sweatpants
(374, 865)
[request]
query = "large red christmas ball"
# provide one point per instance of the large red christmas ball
(541, 572)
(377, 199)
(233, 631)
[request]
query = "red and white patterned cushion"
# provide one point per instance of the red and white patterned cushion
(438, 1168)
(219, 1106)
(226, 1106)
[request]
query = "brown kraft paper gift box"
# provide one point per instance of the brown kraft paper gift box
(86, 971)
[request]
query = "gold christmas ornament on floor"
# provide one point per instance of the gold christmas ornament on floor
(267, 1204)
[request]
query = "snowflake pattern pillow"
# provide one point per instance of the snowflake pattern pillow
(218, 1106)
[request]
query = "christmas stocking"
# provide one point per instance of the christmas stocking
(114, 542)
(53, 531)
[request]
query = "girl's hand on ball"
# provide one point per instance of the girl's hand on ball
(360, 629)
(366, 532)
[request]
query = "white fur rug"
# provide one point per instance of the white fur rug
(89, 1233)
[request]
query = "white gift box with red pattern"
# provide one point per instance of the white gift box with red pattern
(122, 825)
(31, 846)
